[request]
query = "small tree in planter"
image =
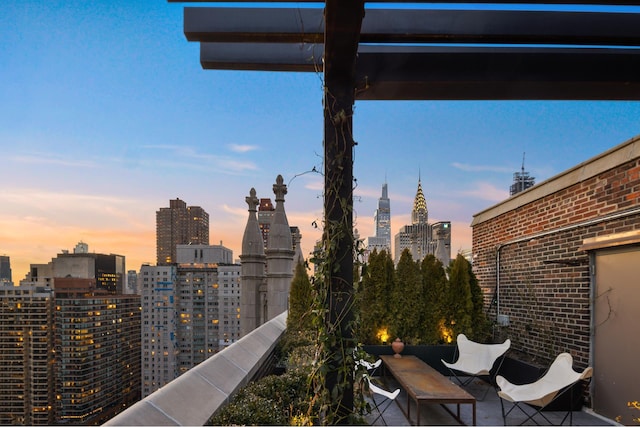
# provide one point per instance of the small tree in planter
(464, 302)
(434, 281)
(373, 297)
(407, 299)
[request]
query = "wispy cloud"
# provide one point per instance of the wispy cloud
(224, 164)
(52, 159)
(486, 191)
(238, 148)
(481, 168)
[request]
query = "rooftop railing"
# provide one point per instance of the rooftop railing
(193, 397)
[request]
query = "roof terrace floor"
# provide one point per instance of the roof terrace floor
(488, 412)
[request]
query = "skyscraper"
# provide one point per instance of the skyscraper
(97, 351)
(158, 288)
(68, 357)
(179, 224)
(5, 269)
(26, 355)
(521, 181)
(422, 238)
(382, 220)
(190, 311)
(417, 236)
(107, 269)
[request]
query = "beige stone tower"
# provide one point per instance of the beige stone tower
(252, 271)
(279, 255)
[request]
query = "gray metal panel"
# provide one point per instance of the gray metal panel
(414, 25)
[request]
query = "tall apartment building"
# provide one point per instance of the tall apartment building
(70, 357)
(27, 392)
(419, 236)
(159, 340)
(190, 311)
(132, 282)
(177, 225)
(97, 351)
(5, 269)
(382, 221)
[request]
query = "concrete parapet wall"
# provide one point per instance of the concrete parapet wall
(198, 393)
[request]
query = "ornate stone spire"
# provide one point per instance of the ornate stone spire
(279, 255)
(279, 232)
(252, 243)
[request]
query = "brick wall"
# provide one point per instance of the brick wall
(544, 280)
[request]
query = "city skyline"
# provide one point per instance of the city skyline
(107, 115)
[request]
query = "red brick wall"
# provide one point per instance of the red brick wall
(545, 281)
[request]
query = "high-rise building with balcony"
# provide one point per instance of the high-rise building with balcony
(27, 392)
(179, 224)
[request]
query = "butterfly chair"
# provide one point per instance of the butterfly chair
(370, 367)
(476, 360)
(559, 378)
(387, 399)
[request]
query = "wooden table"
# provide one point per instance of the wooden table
(423, 384)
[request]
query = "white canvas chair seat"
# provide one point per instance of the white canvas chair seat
(370, 367)
(388, 398)
(559, 377)
(475, 359)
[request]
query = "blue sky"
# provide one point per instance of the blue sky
(106, 115)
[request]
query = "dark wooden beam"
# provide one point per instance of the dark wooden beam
(262, 56)
(454, 73)
(534, 2)
(306, 25)
(343, 20)
(451, 73)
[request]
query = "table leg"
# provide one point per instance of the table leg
(474, 413)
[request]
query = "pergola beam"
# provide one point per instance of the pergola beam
(453, 72)
(306, 25)
(262, 56)
(534, 2)
(385, 73)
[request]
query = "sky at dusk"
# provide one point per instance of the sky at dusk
(106, 115)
